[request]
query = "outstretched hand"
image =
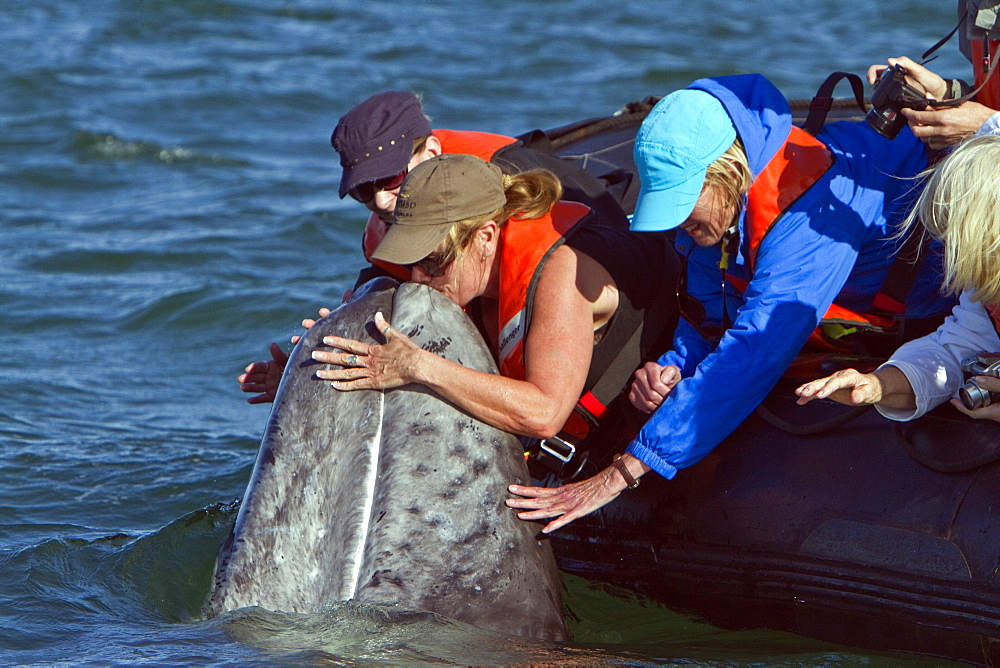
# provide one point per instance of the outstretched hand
(264, 377)
(366, 366)
(847, 386)
(574, 500)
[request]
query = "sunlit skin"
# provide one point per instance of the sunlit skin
(888, 387)
(574, 296)
(710, 218)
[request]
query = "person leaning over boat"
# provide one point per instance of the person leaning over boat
(550, 291)
(979, 38)
(802, 221)
(961, 206)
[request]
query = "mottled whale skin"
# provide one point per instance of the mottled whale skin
(392, 498)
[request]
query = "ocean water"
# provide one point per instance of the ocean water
(168, 206)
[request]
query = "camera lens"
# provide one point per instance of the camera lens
(973, 396)
(886, 121)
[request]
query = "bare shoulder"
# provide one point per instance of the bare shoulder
(573, 272)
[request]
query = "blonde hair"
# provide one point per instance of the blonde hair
(730, 174)
(530, 194)
(960, 205)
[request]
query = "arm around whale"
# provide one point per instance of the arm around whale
(558, 349)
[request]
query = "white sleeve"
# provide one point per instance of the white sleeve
(991, 126)
(932, 363)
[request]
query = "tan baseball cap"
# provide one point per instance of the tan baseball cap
(436, 194)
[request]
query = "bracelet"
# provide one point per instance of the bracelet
(630, 482)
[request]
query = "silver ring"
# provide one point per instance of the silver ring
(385, 332)
(352, 360)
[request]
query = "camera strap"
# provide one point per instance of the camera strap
(924, 59)
(942, 104)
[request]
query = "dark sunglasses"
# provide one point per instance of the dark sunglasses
(365, 192)
(431, 265)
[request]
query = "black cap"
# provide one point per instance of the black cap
(375, 138)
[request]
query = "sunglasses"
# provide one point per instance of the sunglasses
(365, 192)
(432, 265)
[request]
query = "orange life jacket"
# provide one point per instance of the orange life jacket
(525, 245)
(791, 172)
(480, 144)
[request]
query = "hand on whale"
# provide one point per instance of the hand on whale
(572, 501)
(262, 378)
(371, 367)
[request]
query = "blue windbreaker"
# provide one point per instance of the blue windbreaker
(830, 246)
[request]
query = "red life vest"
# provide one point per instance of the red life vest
(480, 144)
(800, 163)
(993, 310)
(525, 245)
(990, 94)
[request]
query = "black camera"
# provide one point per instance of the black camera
(891, 95)
(972, 395)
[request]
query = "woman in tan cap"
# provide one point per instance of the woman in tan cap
(559, 300)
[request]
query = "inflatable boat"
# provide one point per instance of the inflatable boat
(823, 520)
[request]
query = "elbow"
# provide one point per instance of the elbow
(542, 426)
(546, 431)
(542, 417)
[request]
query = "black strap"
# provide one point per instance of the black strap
(903, 272)
(622, 366)
(941, 42)
(823, 100)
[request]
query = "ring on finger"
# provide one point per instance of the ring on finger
(352, 360)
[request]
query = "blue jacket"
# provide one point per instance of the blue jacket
(830, 246)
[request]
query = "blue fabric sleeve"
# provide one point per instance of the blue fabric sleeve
(690, 348)
(802, 265)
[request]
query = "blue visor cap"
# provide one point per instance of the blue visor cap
(684, 133)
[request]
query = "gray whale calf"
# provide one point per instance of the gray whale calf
(391, 498)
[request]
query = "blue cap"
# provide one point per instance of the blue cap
(684, 133)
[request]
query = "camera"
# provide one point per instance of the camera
(971, 394)
(892, 94)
